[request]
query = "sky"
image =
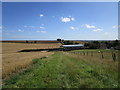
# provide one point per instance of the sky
(65, 20)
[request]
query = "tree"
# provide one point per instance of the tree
(92, 45)
(76, 43)
(26, 41)
(59, 40)
(35, 41)
(68, 42)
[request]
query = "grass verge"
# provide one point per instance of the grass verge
(63, 71)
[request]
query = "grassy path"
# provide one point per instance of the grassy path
(63, 71)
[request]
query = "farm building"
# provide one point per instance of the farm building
(72, 47)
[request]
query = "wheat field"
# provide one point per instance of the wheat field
(14, 61)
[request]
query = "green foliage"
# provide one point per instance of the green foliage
(62, 71)
(93, 45)
(59, 40)
(100, 44)
(67, 42)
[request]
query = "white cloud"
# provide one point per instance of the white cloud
(53, 16)
(72, 19)
(0, 27)
(115, 26)
(42, 27)
(38, 31)
(98, 30)
(42, 31)
(41, 15)
(73, 28)
(67, 19)
(29, 26)
(25, 26)
(89, 26)
(19, 30)
(42, 24)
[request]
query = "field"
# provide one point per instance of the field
(71, 69)
(14, 61)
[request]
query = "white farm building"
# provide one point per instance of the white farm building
(72, 47)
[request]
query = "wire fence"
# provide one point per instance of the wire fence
(102, 55)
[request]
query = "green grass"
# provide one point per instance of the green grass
(63, 71)
(93, 50)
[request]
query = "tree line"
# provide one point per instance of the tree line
(115, 44)
(67, 42)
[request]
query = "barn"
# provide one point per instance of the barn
(72, 47)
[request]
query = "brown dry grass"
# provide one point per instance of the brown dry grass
(97, 59)
(13, 61)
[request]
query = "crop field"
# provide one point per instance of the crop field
(71, 69)
(14, 61)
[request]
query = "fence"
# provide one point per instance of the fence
(102, 55)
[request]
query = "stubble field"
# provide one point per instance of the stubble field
(14, 61)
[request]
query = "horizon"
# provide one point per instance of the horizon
(56, 40)
(65, 20)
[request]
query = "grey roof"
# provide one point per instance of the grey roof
(77, 45)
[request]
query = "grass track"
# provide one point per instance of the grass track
(63, 71)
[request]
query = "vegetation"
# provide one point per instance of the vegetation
(14, 61)
(63, 70)
(67, 42)
(103, 44)
(84, 68)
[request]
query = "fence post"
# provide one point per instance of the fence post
(102, 55)
(84, 53)
(113, 56)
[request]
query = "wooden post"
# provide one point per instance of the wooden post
(102, 55)
(113, 56)
(84, 53)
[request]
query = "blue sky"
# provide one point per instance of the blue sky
(52, 20)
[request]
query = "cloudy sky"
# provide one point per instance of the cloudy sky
(49, 21)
